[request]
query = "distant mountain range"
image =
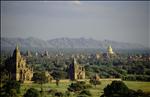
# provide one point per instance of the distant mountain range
(32, 42)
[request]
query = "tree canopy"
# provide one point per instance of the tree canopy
(32, 93)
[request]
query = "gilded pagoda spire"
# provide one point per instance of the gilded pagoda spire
(110, 50)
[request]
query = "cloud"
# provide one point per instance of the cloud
(76, 2)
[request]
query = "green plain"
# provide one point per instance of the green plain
(96, 91)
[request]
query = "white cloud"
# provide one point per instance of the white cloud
(76, 2)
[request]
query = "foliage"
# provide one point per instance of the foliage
(116, 87)
(40, 77)
(10, 89)
(57, 82)
(94, 81)
(56, 74)
(11, 93)
(77, 87)
(52, 92)
(119, 89)
(12, 84)
(50, 88)
(106, 68)
(58, 94)
(67, 94)
(84, 93)
(32, 93)
(4, 76)
(137, 77)
(147, 72)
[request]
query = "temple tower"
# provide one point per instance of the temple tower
(76, 71)
(17, 67)
(29, 54)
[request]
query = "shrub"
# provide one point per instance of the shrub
(59, 94)
(67, 94)
(12, 93)
(85, 93)
(32, 93)
(75, 87)
(11, 84)
(78, 86)
(87, 86)
(52, 92)
(95, 82)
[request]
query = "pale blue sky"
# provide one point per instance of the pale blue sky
(126, 21)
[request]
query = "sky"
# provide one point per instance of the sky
(123, 21)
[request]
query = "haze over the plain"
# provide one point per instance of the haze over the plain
(124, 21)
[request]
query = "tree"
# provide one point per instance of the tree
(40, 78)
(12, 93)
(67, 94)
(58, 94)
(12, 84)
(116, 88)
(57, 74)
(119, 89)
(85, 93)
(32, 93)
(57, 82)
(77, 87)
(4, 76)
(52, 92)
(10, 89)
(95, 80)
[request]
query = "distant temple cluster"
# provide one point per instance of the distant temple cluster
(20, 71)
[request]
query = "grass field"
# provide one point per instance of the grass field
(96, 91)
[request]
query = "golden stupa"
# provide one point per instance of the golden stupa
(110, 50)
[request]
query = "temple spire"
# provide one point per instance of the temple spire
(110, 50)
(74, 60)
(17, 47)
(16, 52)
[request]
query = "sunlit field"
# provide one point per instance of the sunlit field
(95, 91)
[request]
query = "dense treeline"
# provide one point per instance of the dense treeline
(136, 77)
(119, 67)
